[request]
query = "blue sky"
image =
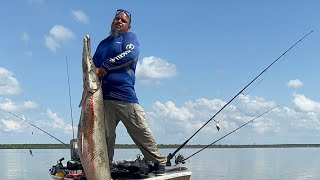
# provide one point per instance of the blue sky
(195, 56)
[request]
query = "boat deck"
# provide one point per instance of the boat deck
(172, 173)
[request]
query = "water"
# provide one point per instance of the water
(246, 164)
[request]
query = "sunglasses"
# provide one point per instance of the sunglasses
(124, 11)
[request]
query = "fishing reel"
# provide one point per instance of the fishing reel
(179, 159)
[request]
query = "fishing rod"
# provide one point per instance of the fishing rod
(184, 159)
(70, 104)
(170, 156)
(37, 127)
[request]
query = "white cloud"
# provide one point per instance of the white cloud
(8, 83)
(51, 43)
(61, 33)
(80, 16)
(295, 84)
(10, 126)
(8, 105)
(253, 105)
(170, 110)
(58, 122)
(153, 69)
(47, 121)
(174, 123)
(300, 121)
(169, 120)
(57, 35)
(266, 126)
(302, 103)
(30, 105)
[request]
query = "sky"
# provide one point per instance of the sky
(195, 56)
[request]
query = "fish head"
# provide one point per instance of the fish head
(91, 81)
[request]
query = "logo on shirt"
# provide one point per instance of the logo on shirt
(129, 49)
(130, 46)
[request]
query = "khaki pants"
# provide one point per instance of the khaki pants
(133, 117)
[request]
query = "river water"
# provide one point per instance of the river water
(218, 163)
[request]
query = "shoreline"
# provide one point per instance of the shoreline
(167, 146)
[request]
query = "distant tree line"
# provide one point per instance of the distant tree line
(167, 146)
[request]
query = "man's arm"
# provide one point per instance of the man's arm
(128, 56)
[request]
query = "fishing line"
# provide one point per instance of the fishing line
(30, 152)
(180, 161)
(170, 156)
(24, 120)
(230, 110)
(39, 159)
(70, 104)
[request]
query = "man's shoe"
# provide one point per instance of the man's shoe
(159, 169)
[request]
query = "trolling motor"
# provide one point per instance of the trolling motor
(70, 170)
(74, 150)
(74, 163)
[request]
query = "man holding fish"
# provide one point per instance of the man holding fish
(116, 59)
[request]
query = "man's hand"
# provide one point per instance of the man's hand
(101, 72)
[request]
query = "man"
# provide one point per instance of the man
(116, 59)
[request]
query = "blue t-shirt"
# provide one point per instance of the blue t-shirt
(118, 56)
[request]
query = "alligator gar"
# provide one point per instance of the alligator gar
(92, 144)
